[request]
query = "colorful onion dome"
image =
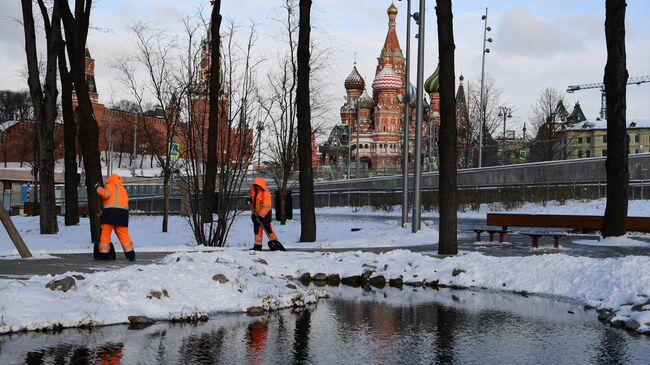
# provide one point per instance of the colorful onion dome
(387, 79)
(354, 81)
(392, 9)
(365, 101)
(432, 85)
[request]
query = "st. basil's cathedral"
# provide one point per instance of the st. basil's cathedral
(374, 123)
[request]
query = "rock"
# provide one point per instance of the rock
(155, 294)
(79, 277)
(432, 284)
(291, 286)
(255, 311)
(221, 278)
(261, 261)
(367, 273)
(354, 281)
(605, 316)
(319, 277)
(396, 283)
(288, 277)
(457, 271)
(632, 325)
(639, 307)
(414, 284)
(305, 278)
(140, 320)
(334, 279)
(618, 323)
(378, 281)
(320, 283)
(63, 285)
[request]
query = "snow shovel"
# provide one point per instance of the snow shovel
(274, 245)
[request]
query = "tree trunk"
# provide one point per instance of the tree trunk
(13, 234)
(213, 116)
(448, 244)
(69, 139)
(283, 206)
(165, 201)
(306, 174)
(76, 31)
(615, 220)
(44, 112)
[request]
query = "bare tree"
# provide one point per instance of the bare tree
(447, 142)
(157, 56)
(615, 220)
(306, 174)
(44, 99)
(547, 144)
(492, 96)
(76, 33)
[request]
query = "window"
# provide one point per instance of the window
(579, 154)
(637, 138)
(588, 139)
(604, 153)
(579, 140)
(588, 154)
(605, 141)
(636, 151)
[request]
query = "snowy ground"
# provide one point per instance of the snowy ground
(621, 285)
(146, 233)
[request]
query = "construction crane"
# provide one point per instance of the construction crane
(638, 80)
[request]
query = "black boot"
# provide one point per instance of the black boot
(130, 255)
(257, 248)
(111, 252)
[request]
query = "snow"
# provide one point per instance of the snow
(110, 297)
(602, 124)
(146, 233)
(624, 241)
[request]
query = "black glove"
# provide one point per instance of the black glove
(98, 184)
(248, 201)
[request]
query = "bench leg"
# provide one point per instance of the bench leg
(491, 236)
(502, 237)
(535, 241)
(556, 242)
(478, 236)
(505, 228)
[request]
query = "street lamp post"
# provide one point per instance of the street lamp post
(419, 19)
(506, 113)
(260, 128)
(407, 117)
(482, 98)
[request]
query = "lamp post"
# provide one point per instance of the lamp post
(260, 128)
(419, 19)
(506, 113)
(407, 117)
(482, 99)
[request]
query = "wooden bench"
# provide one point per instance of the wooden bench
(581, 222)
(536, 236)
(502, 234)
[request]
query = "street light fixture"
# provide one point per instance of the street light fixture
(505, 113)
(482, 99)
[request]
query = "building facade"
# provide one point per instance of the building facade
(589, 138)
(371, 127)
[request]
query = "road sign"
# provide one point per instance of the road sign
(174, 150)
(523, 154)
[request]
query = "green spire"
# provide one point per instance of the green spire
(432, 85)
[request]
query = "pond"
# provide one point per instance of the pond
(353, 326)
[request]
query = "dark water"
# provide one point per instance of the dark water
(355, 327)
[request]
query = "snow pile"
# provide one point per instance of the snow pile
(181, 288)
(618, 286)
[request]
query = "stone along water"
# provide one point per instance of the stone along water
(389, 326)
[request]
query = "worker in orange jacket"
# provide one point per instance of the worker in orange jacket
(115, 216)
(259, 199)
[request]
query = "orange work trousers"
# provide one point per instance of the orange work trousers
(122, 233)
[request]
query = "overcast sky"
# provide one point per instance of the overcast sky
(537, 43)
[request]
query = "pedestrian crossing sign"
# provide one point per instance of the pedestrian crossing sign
(174, 150)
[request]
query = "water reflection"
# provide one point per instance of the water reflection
(355, 327)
